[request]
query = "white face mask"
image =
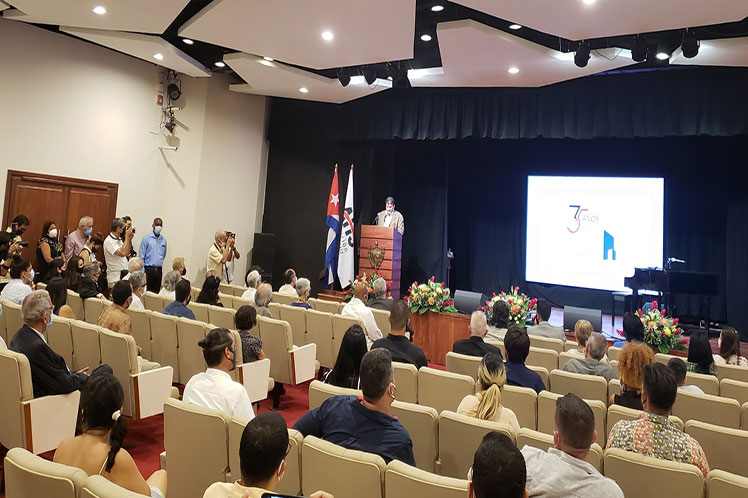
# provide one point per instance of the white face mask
(53, 233)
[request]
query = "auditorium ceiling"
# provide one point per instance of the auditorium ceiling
(303, 50)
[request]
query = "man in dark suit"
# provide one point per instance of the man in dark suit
(397, 343)
(474, 345)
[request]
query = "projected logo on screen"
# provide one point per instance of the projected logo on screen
(581, 215)
(609, 249)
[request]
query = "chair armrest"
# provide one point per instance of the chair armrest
(151, 389)
(302, 362)
(50, 419)
(254, 377)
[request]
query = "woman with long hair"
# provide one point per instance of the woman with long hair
(486, 405)
(88, 253)
(352, 349)
(58, 293)
(72, 273)
(498, 323)
(700, 359)
(729, 349)
(631, 361)
(47, 249)
(209, 292)
(97, 446)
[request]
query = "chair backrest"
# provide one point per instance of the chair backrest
(28, 475)
(274, 309)
(463, 364)
(443, 390)
(14, 318)
(721, 484)
(723, 371)
(296, 318)
(341, 306)
(708, 383)
(197, 461)
(618, 412)
(86, 347)
(200, 310)
(221, 317)
(547, 414)
(140, 322)
(238, 302)
(282, 298)
(15, 388)
(153, 301)
(164, 343)
(544, 441)
(319, 392)
(664, 358)
(406, 380)
(570, 346)
(725, 448)
(75, 302)
(382, 318)
(707, 408)
(101, 487)
(556, 345)
(401, 480)
(459, 437)
(319, 331)
(119, 352)
(189, 354)
(4, 327)
(744, 416)
(238, 290)
(523, 401)
(542, 372)
(613, 353)
(327, 306)
(92, 308)
(340, 325)
(225, 289)
(356, 473)
(614, 387)
(729, 388)
(634, 472)
(227, 300)
(422, 423)
(564, 357)
(194, 292)
(583, 385)
(277, 342)
(60, 338)
(542, 358)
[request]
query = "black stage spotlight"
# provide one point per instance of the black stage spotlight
(582, 55)
(344, 75)
(173, 91)
(690, 45)
(369, 75)
(639, 48)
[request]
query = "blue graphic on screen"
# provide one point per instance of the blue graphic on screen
(608, 246)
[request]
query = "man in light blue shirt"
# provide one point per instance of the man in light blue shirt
(153, 252)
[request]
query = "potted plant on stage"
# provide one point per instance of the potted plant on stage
(369, 280)
(661, 332)
(431, 296)
(519, 306)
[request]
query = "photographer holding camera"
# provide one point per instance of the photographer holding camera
(8, 248)
(221, 255)
(116, 251)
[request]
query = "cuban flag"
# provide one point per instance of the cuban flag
(346, 257)
(333, 231)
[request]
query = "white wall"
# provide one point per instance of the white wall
(74, 109)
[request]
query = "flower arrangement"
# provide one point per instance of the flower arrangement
(369, 280)
(519, 306)
(660, 331)
(431, 296)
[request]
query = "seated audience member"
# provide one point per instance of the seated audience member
(182, 296)
(364, 424)
(592, 363)
(486, 405)
(88, 286)
(345, 373)
(262, 451)
(178, 265)
(215, 388)
(633, 329)
(562, 471)
(245, 320)
(133, 265)
(138, 282)
(47, 250)
(729, 349)
(22, 278)
(517, 344)
(474, 345)
(700, 359)
(55, 270)
(209, 292)
(170, 284)
(58, 293)
(678, 367)
(97, 449)
(381, 301)
(263, 296)
(498, 469)
(397, 343)
(499, 323)
(653, 434)
(72, 273)
(633, 358)
(289, 286)
(88, 253)
(356, 308)
(582, 331)
(303, 288)
(254, 279)
(542, 328)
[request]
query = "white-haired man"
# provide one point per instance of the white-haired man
(591, 364)
(77, 240)
(254, 279)
(381, 301)
(474, 345)
(219, 253)
(135, 264)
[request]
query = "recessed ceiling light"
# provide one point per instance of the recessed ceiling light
(589, 2)
(513, 70)
(327, 35)
(188, 41)
(304, 89)
(99, 10)
(159, 56)
(426, 37)
(662, 56)
(269, 59)
(220, 64)
(437, 8)
(515, 26)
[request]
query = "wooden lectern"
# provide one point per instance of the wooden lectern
(389, 239)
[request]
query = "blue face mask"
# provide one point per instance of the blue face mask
(157, 229)
(89, 231)
(33, 274)
(51, 319)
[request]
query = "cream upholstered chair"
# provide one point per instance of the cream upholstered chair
(60, 338)
(614, 387)
(200, 310)
(730, 388)
(194, 292)
(340, 324)
(721, 484)
(544, 441)
(382, 318)
(327, 306)
(164, 343)
(153, 301)
(725, 448)
(341, 306)
(459, 437)
(27, 475)
(547, 414)
(196, 442)
(75, 302)
(500, 345)
(634, 473)
(319, 332)
(4, 327)
(38, 424)
(723, 371)
(542, 372)
(422, 423)
(463, 364)
(402, 480)
(618, 412)
(556, 345)
(13, 317)
(545, 358)
(227, 300)
(707, 408)
(255, 377)
(583, 385)
(664, 358)
(238, 302)
(406, 380)
(86, 347)
(222, 318)
(708, 383)
(613, 353)
(570, 346)
(101, 487)
(319, 392)
(92, 308)
(296, 318)
(279, 298)
(140, 322)
(443, 390)
(744, 416)
(614, 365)
(564, 357)
(356, 473)
(523, 401)
(288, 364)
(225, 289)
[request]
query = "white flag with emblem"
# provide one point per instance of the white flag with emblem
(346, 256)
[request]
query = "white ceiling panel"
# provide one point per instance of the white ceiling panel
(364, 32)
(578, 20)
(727, 52)
(142, 16)
(476, 55)
(143, 47)
(279, 80)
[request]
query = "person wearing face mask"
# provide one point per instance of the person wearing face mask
(47, 249)
(88, 253)
(19, 225)
(78, 239)
(178, 265)
(391, 218)
(21, 283)
(128, 226)
(364, 424)
(153, 253)
(116, 251)
(137, 280)
(215, 388)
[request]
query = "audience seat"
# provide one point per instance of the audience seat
(382, 318)
(92, 308)
(274, 309)
(564, 357)
(614, 365)
(341, 305)
(238, 302)
(319, 392)
(165, 345)
(327, 306)
(523, 401)
(542, 358)
(222, 318)
(27, 475)
(288, 364)
(403, 481)
(708, 383)
(296, 318)
(200, 310)
(422, 423)
(639, 475)
(725, 449)
(4, 334)
(459, 437)
(729, 388)
(140, 321)
(463, 364)
(86, 347)
(75, 302)
(340, 324)
(570, 346)
(101, 487)
(279, 298)
(618, 412)
(542, 372)
(406, 380)
(319, 332)
(744, 416)
(194, 293)
(153, 301)
(583, 385)
(721, 484)
(60, 338)
(443, 390)
(255, 377)
(540, 440)
(13, 318)
(356, 473)
(556, 345)
(707, 408)
(664, 358)
(613, 353)
(500, 345)
(227, 300)
(723, 371)
(614, 387)
(547, 414)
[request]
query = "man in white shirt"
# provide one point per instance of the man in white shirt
(215, 388)
(22, 276)
(357, 308)
(289, 287)
(562, 471)
(253, 281)
(116, 251)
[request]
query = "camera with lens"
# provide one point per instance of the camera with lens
(230, 235)
(23, 243)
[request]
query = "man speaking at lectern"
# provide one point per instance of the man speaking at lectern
(391, 218)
